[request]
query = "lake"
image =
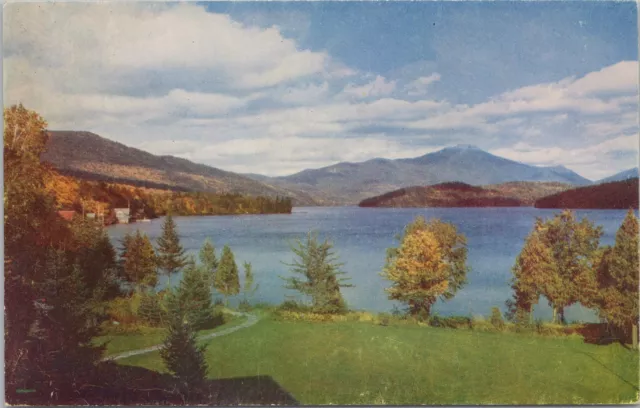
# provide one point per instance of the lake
(361, 235)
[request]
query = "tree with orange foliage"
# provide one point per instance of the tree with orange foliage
(430, 263)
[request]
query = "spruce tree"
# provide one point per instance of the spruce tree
(194, 294)
(209, 261)
(227, 281)
(140, 262)
(171, 256)
(248, 288)
(182, 356)
(150, 310)
(321, 276)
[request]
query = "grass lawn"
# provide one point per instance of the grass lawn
(363, 363)
(150, 336)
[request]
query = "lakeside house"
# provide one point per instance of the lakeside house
(122, 215)
(67, 214)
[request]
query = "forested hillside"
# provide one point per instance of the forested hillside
(614, 195)
(513, 194)
(95, 196)
(89, 156)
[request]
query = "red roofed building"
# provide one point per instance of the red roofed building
(67, 215)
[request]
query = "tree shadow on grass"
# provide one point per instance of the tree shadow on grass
(115, 384)
(601, 364)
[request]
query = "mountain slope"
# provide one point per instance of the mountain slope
(88, 155)
(623, 175)
(455, 194)
(467, 164)
(613, 195)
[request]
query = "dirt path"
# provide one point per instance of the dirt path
(251, 320)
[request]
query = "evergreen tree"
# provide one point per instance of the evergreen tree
(194, 294)
(430, 263)
(209, 261)
(181, 355)
(227, 281)
(140, 262)
(171, 256)
(248, 287)
(321, 273)
(618, 280)
(150, 310)
(51, 286)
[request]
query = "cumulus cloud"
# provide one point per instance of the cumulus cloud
(377, 87)
(419, 86)
(223, 92)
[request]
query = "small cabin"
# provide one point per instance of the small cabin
(67, 214)
(123, 215)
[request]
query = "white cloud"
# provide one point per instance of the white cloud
(420, 85)
(222, 92)
(378, 87)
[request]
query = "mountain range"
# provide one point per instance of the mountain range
(463, 163)
(88, 155)
(623, 175)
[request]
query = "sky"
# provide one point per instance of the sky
(277, 87)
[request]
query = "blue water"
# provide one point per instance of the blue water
(361, 236)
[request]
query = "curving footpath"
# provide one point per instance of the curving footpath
(251, 320)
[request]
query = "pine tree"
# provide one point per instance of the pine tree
(182, 356)
(171, 256)
(321, 273)
(248, 287)
(140, 262)
(150, 310)
(209, 261)
(618, 276)
(194, 294)
(430, 263)
(227, 281)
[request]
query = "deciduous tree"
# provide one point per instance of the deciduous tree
(430, 263)
(618, 279)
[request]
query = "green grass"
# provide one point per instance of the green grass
(150, 336)
(362, 363)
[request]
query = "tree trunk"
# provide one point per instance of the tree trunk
(634, 335)
(561, 315)
(531, 315)
(555, 315)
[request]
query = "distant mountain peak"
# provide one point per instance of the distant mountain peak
(463, 147)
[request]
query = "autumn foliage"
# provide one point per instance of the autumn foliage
(430, 263)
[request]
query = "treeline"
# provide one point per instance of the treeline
(619, 195)
(562, 260)
(95, 196)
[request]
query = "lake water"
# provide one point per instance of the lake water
(361, 235)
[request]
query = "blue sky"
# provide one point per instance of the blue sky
(277, 87)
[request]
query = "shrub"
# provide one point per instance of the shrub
(496, 319)
(384, 319)
(453, 322)
(293, 306)
(244, 306)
